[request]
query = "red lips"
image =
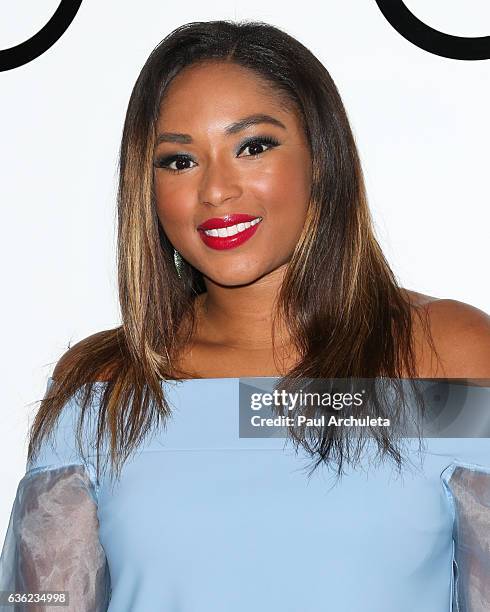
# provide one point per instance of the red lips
(226, 221)
(221, 243)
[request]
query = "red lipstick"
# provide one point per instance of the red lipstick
(229, 231)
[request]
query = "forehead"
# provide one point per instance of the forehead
(218, 92)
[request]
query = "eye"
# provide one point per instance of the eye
(182, 162)
(256, 146)
(174, 163)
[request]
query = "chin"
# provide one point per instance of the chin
(234, 278)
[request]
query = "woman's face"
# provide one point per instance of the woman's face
(227, 145)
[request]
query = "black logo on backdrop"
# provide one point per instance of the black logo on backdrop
(46, 37)
(433, 41)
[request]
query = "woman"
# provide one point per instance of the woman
(245, 250)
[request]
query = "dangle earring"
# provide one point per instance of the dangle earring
(178, 262)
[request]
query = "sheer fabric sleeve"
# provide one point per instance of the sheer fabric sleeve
(468, 488)
(52, 540)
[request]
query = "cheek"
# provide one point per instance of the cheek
(284, 187)
(173, 202)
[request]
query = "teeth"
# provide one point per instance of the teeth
(223, 232)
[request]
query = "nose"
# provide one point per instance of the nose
(220, 183)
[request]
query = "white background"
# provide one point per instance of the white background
(420, 120)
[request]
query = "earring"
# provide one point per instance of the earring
(178, 262)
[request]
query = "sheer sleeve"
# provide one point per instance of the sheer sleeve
(52, 540)
(468, 488)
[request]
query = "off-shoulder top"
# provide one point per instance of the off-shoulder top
(203, 520)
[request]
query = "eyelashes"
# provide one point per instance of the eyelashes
(179, 162)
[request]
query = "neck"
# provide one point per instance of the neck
(241, 317)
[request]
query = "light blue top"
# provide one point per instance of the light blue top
(205, 521)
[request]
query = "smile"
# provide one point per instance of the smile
(231, 230)
(227, 236)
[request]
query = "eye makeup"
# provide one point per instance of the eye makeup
(180, 159)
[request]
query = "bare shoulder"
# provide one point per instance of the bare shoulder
(417, 299)
(460, 334)
(76, 353)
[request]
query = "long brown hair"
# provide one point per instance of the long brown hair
(347, 315)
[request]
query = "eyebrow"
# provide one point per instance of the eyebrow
(233, 128)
